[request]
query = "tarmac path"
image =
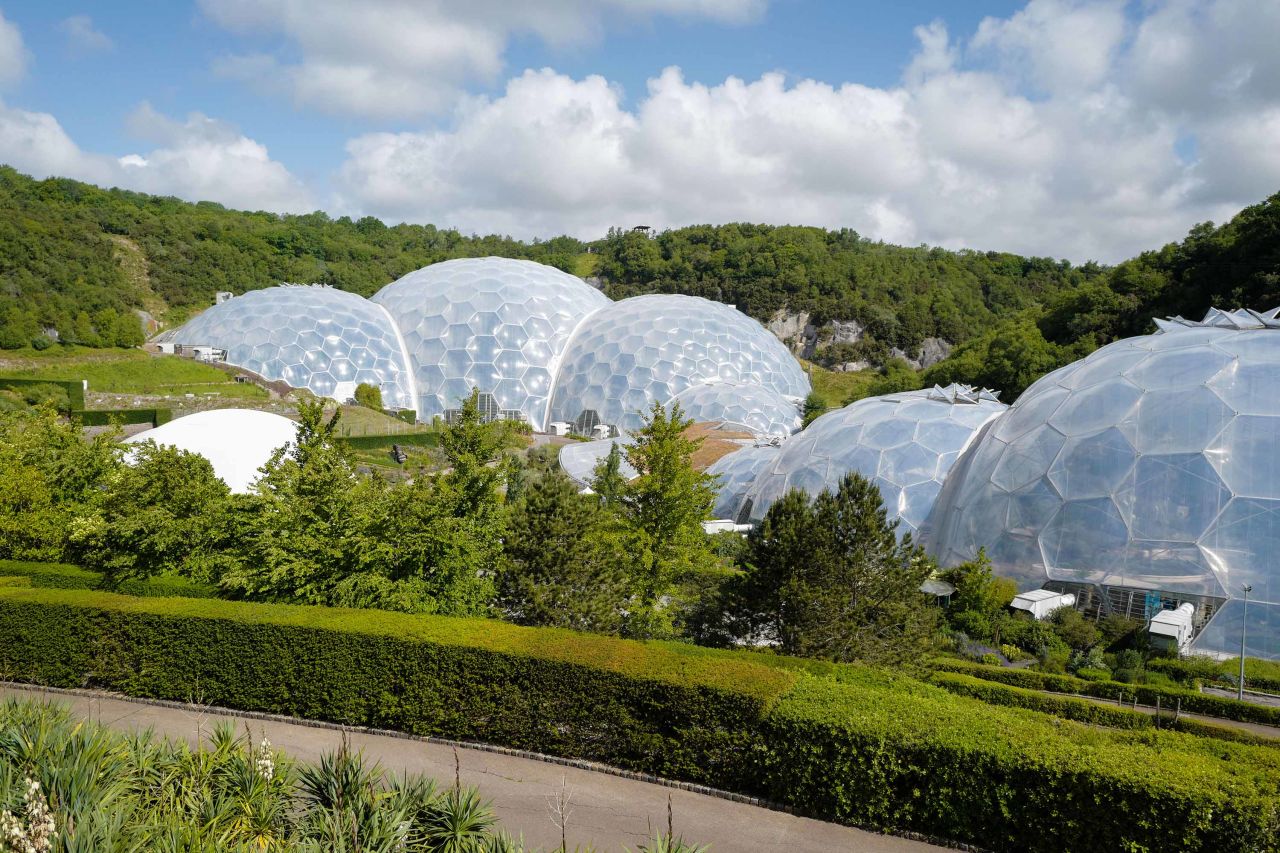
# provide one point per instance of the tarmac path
(608, 811)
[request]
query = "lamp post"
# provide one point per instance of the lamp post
(1244, 629)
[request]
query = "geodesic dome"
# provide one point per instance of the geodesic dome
(309, 336)
(496, 324)
(237, 442)
(648, 349)
(905, 443)
(580, 458)
(752, 408)
(737, 472)
(1148, 472)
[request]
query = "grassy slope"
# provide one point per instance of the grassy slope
(134, 372)
(835, 388)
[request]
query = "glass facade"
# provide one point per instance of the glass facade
(905, 443)
(237, 442)
(737, 472)
(309, 336)
(1153, 464)
(747, 407)
(648, 349)
(496, 324)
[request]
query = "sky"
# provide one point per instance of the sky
(1078, 129)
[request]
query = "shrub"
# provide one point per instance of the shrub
(1191, 701)
(369, 396)
(840, 742)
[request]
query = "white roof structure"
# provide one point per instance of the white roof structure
(579, 459)
(237, 442)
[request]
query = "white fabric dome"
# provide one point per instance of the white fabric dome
(237, 442)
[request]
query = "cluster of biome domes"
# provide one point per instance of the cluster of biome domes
(1141, 478)
(539, 344)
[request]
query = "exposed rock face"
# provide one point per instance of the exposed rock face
(851, 366)
(934, 350)
(844, 332)
(795, 331)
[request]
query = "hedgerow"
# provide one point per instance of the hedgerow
(1084, 710)
(840, 742)
(1067, 707)
(1191, 701)
(1259, 674)
(64, 576)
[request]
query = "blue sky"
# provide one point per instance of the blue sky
(1078, 128)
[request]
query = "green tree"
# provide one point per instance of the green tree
(565, 562)
(369, 396)
(664, 507)
(607, 479)
(830, 579)
(814, 407)
(304, 530)
(158, 513)
(978, 588)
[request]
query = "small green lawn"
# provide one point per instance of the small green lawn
(136, 372)
(835, 388)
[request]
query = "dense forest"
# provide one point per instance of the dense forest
(80, 260)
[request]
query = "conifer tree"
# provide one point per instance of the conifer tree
(830, 579)
(565, 562)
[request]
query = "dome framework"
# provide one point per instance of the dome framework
(1146, 474)
(905, 443)
(308, 336)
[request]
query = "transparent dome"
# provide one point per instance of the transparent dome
(648, 349)
(309, 336)
(905, 443)
(580, 458)
(495, 324)
(737, 472)
(752, 408)
(1148, 472)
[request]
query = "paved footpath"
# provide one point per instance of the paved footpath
(608, 812)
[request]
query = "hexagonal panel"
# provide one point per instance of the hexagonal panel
(874, 437)
(306, 335)
(492, 315)
(670, 338)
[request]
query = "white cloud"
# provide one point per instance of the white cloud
(397, 58)
(196, 159)
(14, 56)
(1067, 144)
(1059, 44)
(82, 37)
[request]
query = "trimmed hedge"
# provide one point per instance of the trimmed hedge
(381, 442)
(106, 417)
(1067, 707)
(63, 576)
(1258, 674)
(73, 387)
(839, 742)
(1192, 701)
(1083, 710)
